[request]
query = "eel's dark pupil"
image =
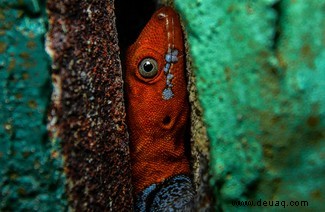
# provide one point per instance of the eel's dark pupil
(147, 66)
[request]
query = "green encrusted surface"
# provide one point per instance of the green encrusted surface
(31, 175)
(260, 68)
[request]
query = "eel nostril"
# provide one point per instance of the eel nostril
(166, 120)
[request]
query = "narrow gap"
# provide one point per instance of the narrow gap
(278, 29)
(32, 9)
(131, 17)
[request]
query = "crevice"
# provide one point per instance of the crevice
(31, 9)
(277, 7)
(131, 17)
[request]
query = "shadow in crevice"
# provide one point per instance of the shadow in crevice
(131, 17)
(278, 28)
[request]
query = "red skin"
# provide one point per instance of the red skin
(157, 147)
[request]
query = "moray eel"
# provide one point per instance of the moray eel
(158, 115)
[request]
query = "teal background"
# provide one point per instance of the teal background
(260, 74)
(31, 175)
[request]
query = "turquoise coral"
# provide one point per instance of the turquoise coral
(259, 68)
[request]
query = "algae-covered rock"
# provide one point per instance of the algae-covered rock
(31, 174)
(260, 80)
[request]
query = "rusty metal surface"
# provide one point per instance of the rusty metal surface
(88, 106)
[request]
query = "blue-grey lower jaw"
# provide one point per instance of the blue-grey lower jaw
(174, 194)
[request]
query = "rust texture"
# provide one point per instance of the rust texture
(88, 107)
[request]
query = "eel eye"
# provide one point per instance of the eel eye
(148, 68)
